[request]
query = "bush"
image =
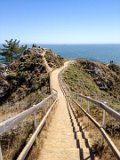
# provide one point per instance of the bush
(98, 147)
(114, 68)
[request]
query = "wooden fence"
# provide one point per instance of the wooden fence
(72, 97)
(9, 124)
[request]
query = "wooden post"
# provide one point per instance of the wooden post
(35, 122)
(76, 96)
(1, 157)
(52, 100)
(45, 107)
(104, 122)
(104, 119)
(88, 110)
(81, 101)
(49, 102)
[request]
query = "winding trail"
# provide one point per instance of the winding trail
(48, 68)
(60, 143)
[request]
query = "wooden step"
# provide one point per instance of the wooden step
(60, 154)
(60, 143)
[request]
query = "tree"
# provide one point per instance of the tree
(12, 50)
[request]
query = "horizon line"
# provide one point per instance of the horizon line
(66, 43)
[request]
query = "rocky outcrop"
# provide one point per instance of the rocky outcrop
(25, 75)
(106, 77)
(53, 61)
(4, 85)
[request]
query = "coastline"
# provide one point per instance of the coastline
(103, 53)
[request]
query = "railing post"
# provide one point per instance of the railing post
(81, 101)
(76, 96)
(49, 102)
(35, 122)
(104, 119)
(52, 100)
(88, 110)
(1, 157)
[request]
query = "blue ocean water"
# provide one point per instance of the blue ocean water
(102, 52)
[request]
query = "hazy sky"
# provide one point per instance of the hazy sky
(60, 21)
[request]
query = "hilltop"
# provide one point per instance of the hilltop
(28, 76)
(95, 79)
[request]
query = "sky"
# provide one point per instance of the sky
(60, 21)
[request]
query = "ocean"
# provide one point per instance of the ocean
(102, 52)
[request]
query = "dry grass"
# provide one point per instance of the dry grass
(35, 151)
(98, 144)
(80, 81)
(9, 109)
(38, 145)
(13, 142)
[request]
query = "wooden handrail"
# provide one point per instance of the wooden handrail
(102, 105)
(105, 135)
(28, 146)
(11, 122)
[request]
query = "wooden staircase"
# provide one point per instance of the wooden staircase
(65, 138)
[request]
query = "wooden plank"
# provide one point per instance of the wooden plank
(104, 119)
(12, 122)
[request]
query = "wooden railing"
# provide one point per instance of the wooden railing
(9, 124)
(101, 128)
(101, 105)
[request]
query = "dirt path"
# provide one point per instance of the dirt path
(60, 143)
(48, 68)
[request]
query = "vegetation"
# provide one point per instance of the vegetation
(85, 81)
(12, 50)
(20, 82)
(35, 46)
(114, 68)
(54, 61)
(26, 75)
(13, 143)
(98, 147)
(83, 77)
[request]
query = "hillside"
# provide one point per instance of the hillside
(27, 77)
(95, 79)
(101, 82)
(21, 80)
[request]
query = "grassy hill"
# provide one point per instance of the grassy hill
(101, 82)
(95, 79)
